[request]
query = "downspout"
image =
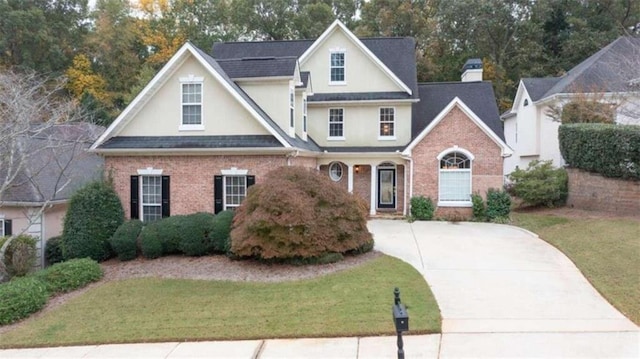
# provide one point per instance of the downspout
(410, 159)
(290, 155)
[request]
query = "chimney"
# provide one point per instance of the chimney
(472, 70)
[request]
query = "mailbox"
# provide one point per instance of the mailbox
(400, 318)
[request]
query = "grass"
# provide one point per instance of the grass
(355, 302)
(606, 251)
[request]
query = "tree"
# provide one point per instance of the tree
(32, 113)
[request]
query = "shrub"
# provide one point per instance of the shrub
(610, 150)
(150, 243)
(540, 184)
(195, 232)
(422, 208)
(72, 274)
(298, 212)
(221, 231)
(94, 214)
(479, 208)
(53, 250)
(498, 205)
(124, 240)
(20, 255)
(21, 297)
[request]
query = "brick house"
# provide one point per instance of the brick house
(208, 126)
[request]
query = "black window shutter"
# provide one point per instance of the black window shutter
(251, 180)
(135, 197)
(166, 203)
(7, 227)
(217, 194)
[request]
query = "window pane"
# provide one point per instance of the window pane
(337, 67)
(151, 213)
(455, 185)
(235, 190)
(336, 122)
(192, 114)
(151, 190)
(455, 160)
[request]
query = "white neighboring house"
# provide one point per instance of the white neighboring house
(56, 165)
(611, 75)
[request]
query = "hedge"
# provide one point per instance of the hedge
(20, 298)
(124, 241)
(220, 234)
(610, 150)
(53, 250)
(70, 275)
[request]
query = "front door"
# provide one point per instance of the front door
(387, 188)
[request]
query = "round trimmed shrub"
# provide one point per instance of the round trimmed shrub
(298, 213)
(20, 255)
(195, 230)
(94, 214)
(20, 298)
(53, 250)
(221, 231)
(150, 243)
(70, 275)
(124, 240)
(422, 208)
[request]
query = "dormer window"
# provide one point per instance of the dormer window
(191, 103)
(337, 67)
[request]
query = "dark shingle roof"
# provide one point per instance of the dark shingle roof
(397, 53)
(608, 70)
(57, 163)
(259, 67)
(167, 142)
(358, 96)
(537, 87)
(304, 78)
(434, 97)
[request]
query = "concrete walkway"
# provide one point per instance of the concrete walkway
(503, 293)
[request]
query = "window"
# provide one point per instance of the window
(335, 171)
(526, 102)
(337, 67)
(1, 227)
(387, 122)
(336, 123)
(455, 179)
(291, 108)
(151, 198)
(192, 104)
(149, 195)
(304, 115)
(235, 190)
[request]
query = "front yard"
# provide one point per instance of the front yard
(606, 250)
(353, 302)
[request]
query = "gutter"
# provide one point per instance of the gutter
(32, 204)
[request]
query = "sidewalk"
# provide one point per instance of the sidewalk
(472, 345)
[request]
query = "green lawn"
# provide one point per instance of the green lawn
(354, 302)
(607, 252)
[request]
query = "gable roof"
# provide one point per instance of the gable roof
(259, 67)
(538, 87)
(609, 70)
(396, 53)
(218, 73)
(435, 97)
(457, 102)
(56, 164)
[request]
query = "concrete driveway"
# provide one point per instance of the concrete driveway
(490, 278)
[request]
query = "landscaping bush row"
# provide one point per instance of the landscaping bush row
(496, 209)
(607, 149)
(24, 296)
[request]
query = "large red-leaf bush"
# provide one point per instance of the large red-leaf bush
(299, 213)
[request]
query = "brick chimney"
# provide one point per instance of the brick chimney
(472, 70)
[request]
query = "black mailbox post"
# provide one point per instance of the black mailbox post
(400, 319)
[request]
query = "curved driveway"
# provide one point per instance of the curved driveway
(490, 278)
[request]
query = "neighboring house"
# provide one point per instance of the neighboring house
(209, 126)
(612, 75)
(56, 163)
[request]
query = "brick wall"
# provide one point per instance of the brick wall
(591, 191)
(191, 176)
(456, 129)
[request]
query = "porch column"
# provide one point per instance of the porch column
(374, 184)
(350, 179)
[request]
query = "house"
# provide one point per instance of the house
(55, 163)
(611, 76)
(208, 126)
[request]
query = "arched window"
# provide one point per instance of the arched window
(454, 187)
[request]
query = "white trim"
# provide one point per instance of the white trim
(141, 196)
(335, 138)
(191, 78)
(234, 171)
(350, 178)
(224, 191)
(469, 170)
(149, 171)
(454, 204)
(388, 166)
(305, 116)
(466, 152)
(342, 51)
(291, 99)
(338, 178)
(391, 137)
(161, 77)
(338, 24)
(506, 150)
(187, 128)
(373, 201)
(367, 102)
(191, 126)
